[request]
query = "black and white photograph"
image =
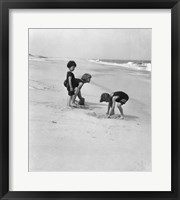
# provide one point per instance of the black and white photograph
(89, 100)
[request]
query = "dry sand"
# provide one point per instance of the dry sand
(83, 139)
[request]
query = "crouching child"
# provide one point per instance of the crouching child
(118, 97)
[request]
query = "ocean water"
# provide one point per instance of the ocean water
(141, 65)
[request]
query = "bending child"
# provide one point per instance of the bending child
(118, 97)
(86, 78)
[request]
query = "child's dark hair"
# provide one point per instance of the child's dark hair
(105, 97)
(71, 63)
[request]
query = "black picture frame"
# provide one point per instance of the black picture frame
(5, 5)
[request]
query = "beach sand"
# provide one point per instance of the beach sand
(83, 139)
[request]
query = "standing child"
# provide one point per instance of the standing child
(119, 97)
(70, 81)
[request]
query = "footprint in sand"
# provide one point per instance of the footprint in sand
(99, 116)
(54, 122)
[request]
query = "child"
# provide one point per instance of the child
(70, 81)
(119, 97)
(78, 83)
(86, 78)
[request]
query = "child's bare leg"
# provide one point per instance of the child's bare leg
(112, 111)
(112, 108)
(120, 110)
(69, 101)
(74, 96)
(73, 101)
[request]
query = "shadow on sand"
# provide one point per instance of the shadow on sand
(89, 106)
(95, 105)
(131, 118)
(116, 116)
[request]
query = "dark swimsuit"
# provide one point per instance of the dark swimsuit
(66, 83)
(75, 83)
(121, 96)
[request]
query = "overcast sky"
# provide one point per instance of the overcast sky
(127, 44)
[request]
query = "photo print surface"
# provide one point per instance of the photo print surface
(90, 100)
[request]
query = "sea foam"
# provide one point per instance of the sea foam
(136, 65)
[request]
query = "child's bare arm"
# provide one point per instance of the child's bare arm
(78, 90)
(70, 82)
(79, 94)
(113, 106)
(109, 105)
